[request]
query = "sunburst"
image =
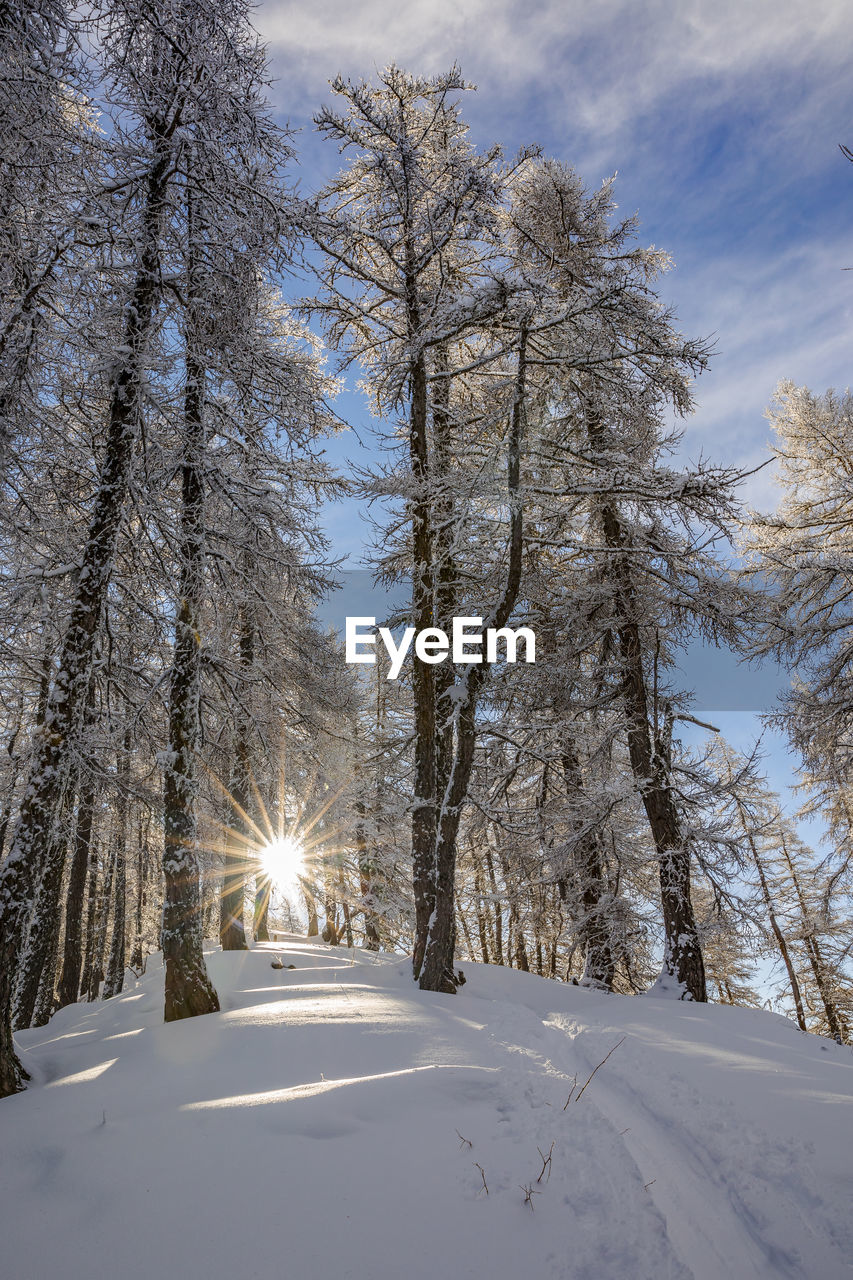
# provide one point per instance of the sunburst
(283, 861)
(286, 850)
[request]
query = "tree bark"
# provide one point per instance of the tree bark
(68, 696)
(781, 941)
(13, 760)
(683, 961)
(69, 985)
(92, 896)
(498, 943)
(189, 991)
(835, 1023)
(114, 981)
(366, 880)
(101, 921)
(137, 955)
(423, 674)
(39, 951)
(438, 972)
(232, 931)
(593, 891)
(481, 914)
(263, 889)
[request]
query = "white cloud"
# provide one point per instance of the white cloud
(722, 117)
(603, 64)
(783, 315)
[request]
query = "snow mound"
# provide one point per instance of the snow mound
(335, 1122)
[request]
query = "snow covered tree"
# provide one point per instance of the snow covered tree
(183, 86)
(468, 292)
(188, 989)
(803, 550)
(407, 233)
(157, 84)
(619, 536)
(251, 410)
(46, 164)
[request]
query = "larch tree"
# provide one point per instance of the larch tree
(804, 552)
(407, 235)
(46, 163)
(251, 408)
(182, 84)
(625, 539)
(144, 63)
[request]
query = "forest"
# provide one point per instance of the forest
(178, 320)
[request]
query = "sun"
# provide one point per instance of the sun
(283, 860)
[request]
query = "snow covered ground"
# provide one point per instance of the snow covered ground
(335, 1123)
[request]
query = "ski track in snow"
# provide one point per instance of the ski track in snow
(717, 1178)
(332, 1120)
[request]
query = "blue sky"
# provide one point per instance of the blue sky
(722, 119)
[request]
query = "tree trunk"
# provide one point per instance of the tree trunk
(189, 991)
(423, 674)
(263, 889)
(593, 890)
(137, 955)
(232, 931)
(114, 981)
(683, 961)
(774, 925)
(99, 940)
(438, 973)
(469, 944)
(13, 759)
(39, 951)
(92, 898)
(68, 696)
(366, 881)
(347, 925)
(69, 985)
(311, 905)
(497, 908)
(835, 1023)
(36, 980)
(481, 915)
(331, 933)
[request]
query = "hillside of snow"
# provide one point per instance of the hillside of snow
(335, 1123)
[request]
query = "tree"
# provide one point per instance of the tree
(45, 164)
(187, 118)
(621, 537)
(471, 294)
(803, 551)
(159, 121)
(406, 231)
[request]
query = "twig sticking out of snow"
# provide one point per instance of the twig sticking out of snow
(592, 1073)
(546, 1165)
(529, 1192)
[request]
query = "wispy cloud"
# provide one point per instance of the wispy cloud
(787, 314)
(723, 119)
(608, 63)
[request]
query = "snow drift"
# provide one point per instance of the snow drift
(333, 1121)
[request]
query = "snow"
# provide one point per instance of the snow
(330, 1120)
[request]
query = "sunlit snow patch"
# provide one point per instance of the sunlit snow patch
(80, 1077)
